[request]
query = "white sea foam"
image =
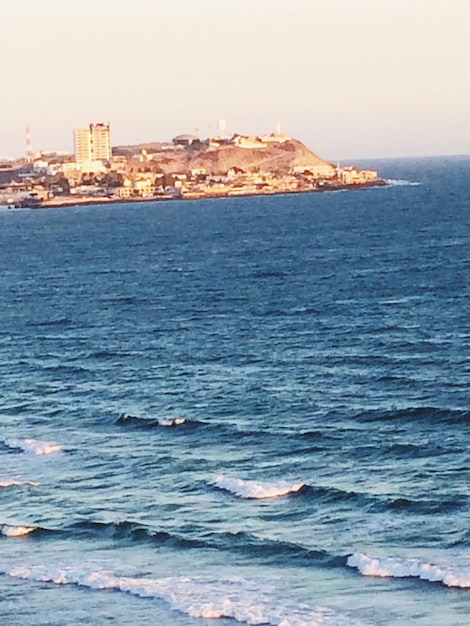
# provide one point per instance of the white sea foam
(256, 490)
(11, 482)
(249, 602)
(16, 531)
(404, 568)
(34, 446)
(401, 183)
(173, 421)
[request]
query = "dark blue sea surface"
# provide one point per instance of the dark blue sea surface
(250, 410)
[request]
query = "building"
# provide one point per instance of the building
(353, 176)
(93, 143)
(318, 169)
(185, 140)
(243, 141)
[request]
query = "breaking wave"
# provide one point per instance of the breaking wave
(16, 531)
(410, 568)
(34, 446)
(246, 601)
(10, 482)
(143, 423)
(252, 489)
(173, 421)
(401, 183)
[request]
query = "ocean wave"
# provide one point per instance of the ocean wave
(34, 446)
(173, 421)
(11, 482)
(373, 502)
(241, 543)
(409, 450)
(109, 354)
(410, 568)
(426, 506)
(121, 300)
(16, 531)
(254, 602)
(61, 321)
(401, 183)
(130, 531)
(268, 274)
(269, 550)
(136, 422)
(252, 489)
(333, 495)
(225, 431)
(414, 414)
(142, 422)
(67, 369)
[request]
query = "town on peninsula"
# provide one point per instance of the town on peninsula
(185, 168)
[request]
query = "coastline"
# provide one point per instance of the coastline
(71, 201)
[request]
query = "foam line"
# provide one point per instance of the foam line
(410, 568)
(252, 489)
(401, 183)
(173, 421)
(248, 602)
(34, 446)
(16, 531)
(5, 483)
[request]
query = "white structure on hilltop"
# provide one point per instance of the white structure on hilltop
(92, 144)
(222, 127)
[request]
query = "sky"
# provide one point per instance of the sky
(349, 78)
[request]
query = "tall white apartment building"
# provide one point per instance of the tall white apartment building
(93, 143)
(82, 145)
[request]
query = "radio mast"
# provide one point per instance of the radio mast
(29, 149)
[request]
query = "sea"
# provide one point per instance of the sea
(239, 411)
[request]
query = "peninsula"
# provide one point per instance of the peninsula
(185, 168)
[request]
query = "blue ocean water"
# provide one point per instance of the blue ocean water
(250, 410)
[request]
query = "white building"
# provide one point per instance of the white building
(243, 141)
(320, 170)
(93, 143)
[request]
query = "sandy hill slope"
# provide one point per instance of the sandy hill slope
(279, 158)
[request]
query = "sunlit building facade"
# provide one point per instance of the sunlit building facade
(93, 143)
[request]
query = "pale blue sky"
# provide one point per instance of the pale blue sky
(350, 78)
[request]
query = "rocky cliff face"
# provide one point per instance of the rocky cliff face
(279, 158)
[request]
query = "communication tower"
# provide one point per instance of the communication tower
(29, 149)
(222, 126)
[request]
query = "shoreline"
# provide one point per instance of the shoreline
(70, 201)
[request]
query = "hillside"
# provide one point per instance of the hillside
(277, 157)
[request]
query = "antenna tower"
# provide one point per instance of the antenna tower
(29, 149)
(222, 127)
